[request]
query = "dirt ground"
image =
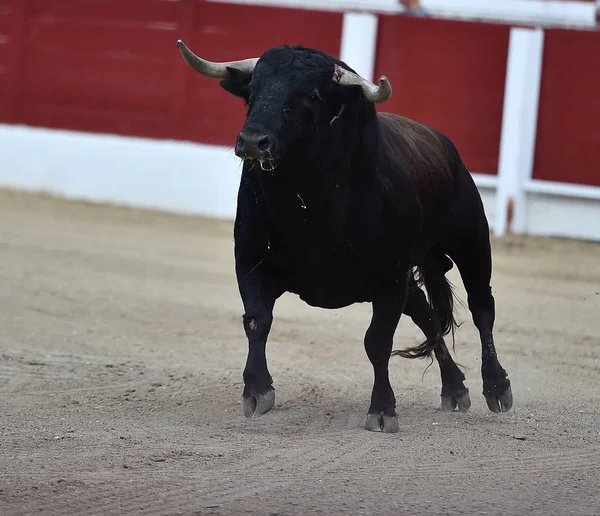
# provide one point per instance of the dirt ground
(121, 356)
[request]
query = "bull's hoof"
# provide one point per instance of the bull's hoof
(382, 423)
(461, 400)
(499, 398)
(260, 404)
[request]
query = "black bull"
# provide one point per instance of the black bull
(340, 204)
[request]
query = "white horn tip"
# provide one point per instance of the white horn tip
(385, 88)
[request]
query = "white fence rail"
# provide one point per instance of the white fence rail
(571, 13)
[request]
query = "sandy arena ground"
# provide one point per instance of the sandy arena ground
(121, 356)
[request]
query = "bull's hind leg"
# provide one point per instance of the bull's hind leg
(473, 258)
(454, 393)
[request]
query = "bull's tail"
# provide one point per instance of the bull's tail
(442, 297)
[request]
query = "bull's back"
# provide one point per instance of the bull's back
(431, 161)
(426, 155)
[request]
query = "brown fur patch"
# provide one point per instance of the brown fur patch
(421, 149)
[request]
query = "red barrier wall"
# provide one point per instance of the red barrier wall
(102, 66)
(450, 75)
(568, 133)
(112, 66)
(11, 23)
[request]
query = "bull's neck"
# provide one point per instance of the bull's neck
(310, 201)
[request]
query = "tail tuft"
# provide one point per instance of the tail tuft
(441, 295)
(423, 350)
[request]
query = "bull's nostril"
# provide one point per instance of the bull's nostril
(239, 145)
(264, 144)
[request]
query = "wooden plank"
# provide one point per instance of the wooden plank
(181, 78)
(106, 12)
(75, 37)
(80, 118)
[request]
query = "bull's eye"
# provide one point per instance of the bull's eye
(313, 97)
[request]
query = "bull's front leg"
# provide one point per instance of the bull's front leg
(379, 337)
(259, 293)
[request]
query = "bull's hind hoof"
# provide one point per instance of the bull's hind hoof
(382, 423)
(454, 400)
(260, 404)
(499, 402)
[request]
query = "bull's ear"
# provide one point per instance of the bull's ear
(237, 84)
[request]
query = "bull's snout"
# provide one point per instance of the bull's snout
(253, 145)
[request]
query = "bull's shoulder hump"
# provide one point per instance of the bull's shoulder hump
(401, 124)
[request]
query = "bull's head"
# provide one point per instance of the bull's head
(292, 95)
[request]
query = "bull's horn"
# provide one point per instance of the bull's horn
(214, 70)
(371, 91)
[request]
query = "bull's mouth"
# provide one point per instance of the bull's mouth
(267, 164)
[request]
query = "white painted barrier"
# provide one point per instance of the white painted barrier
(203, 179)
(536, 12)
(519, 124)
(159, 174)
(359, 43)
(560, 209)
